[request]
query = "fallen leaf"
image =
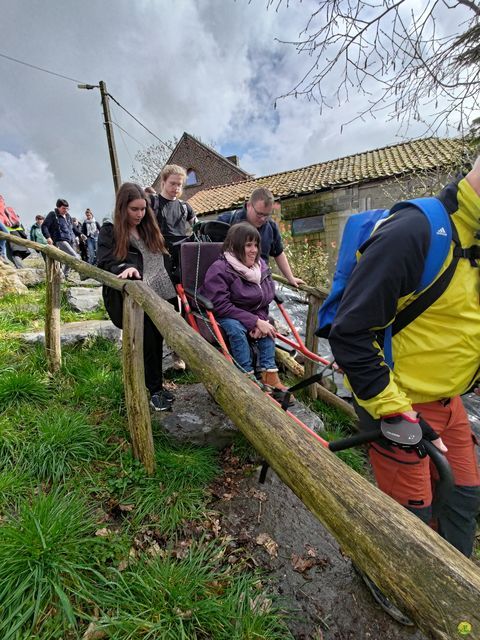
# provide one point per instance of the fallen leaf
(302, 564)
(102, 533)
(270, 545)
(92, 633)
(126, 507)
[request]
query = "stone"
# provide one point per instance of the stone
(74, 332)
(197, 419)
(83, 298)
(9, 280)
(34, 260)
(31, 276)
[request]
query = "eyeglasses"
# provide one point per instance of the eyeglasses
(260, 214)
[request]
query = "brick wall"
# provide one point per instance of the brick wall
(209, 168)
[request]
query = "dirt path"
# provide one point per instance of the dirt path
(305, 564)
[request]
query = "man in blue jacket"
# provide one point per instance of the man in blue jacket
(58, 230)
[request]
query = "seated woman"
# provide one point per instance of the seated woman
(133, 248)
(240, 287)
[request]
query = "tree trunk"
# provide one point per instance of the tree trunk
(53, 347)
(134, 382)
(436, 586)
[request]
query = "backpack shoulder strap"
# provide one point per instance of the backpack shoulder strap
(442, 233)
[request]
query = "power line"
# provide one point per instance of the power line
(59, 75)
(32, 66)
(140, 123)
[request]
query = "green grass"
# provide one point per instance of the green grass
(174, 495)
(63, 558)
(22, 386)
(195, 597)
(64, 441)
(45, 563)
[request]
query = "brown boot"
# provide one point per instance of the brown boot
(271, 379)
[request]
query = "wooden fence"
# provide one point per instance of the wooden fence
(437, 586)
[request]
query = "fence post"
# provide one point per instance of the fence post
(311, 340)
(53, 347)
(136, 400)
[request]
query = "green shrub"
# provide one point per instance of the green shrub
(308, 259)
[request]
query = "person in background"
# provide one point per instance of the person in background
(90, 230)
(133, 248)
(36, 234)
(175, 219)
(3, 227)
(58, 230)
(258, 212)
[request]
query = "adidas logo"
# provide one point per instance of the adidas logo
(441, 232)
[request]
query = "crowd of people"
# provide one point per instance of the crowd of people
(142, 242)
(78, 239)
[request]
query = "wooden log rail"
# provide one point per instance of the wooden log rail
(436, 586)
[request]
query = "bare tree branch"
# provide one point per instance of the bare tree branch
(415, 64)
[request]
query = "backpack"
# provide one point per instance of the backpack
(359, 228)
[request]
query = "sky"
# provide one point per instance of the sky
(212, 68)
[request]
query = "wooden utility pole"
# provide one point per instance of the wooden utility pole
(117, 181)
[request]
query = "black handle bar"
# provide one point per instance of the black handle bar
(445, 484)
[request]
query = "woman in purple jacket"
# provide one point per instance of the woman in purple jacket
(240, 287)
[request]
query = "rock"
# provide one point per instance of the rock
(31, 276)
(9, 280)
(197, 419)
(34, 260)
(73, 332)
(83, 298)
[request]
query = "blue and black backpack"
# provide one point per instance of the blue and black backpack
(359, 228)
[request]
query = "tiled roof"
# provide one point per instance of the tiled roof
(428, 153)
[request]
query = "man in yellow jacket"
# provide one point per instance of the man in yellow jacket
(436, 357)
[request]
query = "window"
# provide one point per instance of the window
(307, 225)
(191, 178)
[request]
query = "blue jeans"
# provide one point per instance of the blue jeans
(3, 243)
(91, 250)
(237, 335)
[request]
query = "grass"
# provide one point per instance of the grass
(194, 597)
(86, 536)
(64, 441)
(22, 386)
(45, 563)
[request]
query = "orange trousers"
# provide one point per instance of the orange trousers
(409, 479)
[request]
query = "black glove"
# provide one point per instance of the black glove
(428, 433)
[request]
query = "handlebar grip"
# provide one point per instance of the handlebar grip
(446, 483)
(354, 441)
(443, 487)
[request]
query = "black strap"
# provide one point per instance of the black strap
(430, 295)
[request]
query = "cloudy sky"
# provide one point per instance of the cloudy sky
(209, 67)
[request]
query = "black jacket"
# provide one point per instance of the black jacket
(107, 260)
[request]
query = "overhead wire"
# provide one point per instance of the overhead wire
(59, 75)
(33, 66)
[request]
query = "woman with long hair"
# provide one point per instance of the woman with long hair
(133, 248)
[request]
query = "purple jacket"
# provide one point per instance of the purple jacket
(234, 297)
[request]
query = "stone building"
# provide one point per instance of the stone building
(316, 200)
(205, 167)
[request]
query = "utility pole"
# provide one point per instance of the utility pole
(117, 181)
